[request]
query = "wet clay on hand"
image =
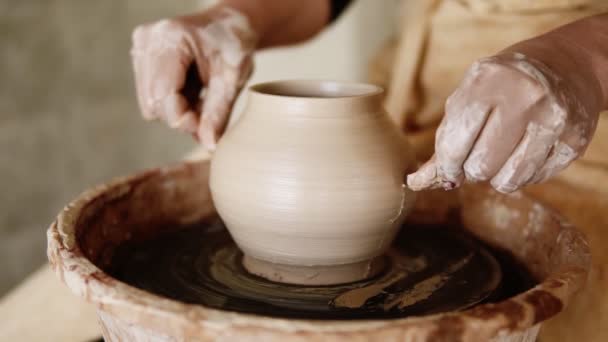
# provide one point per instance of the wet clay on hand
(523, 115)
(310, 181)
(175, 59)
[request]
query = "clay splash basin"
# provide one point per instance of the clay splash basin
(88, 234)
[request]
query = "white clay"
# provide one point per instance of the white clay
(312, 175)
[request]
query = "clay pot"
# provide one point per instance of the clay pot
(86, 233)
(309, 182)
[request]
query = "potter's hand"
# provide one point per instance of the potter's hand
(175, 59)
(512, 121)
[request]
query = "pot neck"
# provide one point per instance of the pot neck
(314, 98)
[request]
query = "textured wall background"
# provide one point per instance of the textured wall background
(68, 115)
(68, 118)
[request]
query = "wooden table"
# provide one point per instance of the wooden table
(42, 308)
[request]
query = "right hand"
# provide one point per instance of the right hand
(176, 59)
(512, 121)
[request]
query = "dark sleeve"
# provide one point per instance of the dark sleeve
(337, 8)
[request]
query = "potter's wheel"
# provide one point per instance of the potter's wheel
(428, 270)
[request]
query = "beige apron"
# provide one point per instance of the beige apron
(438, 42)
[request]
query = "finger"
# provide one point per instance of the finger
(188, 123)
(178, 115)
(165, 76)
(146, 108)
(146, 111)
(570, 145)
(456, 135)
(219, 96)
(139, 36)
(559, 158)
(496, 142)
(527, 158)
(425, 177)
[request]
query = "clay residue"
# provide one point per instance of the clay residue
(502, 214)
(536, 218)
(356, 298)
(421, 291)
(401, 205)
(545, 304)
(424, 289)
(513, 311)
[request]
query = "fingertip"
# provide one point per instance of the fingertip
(217, 104)
(560, 156)
(474, 171)
(506, 182)
(146, 112)
(137, 36)
(209, 143)
(187, 123)
(149, 111)
(147, 116)
(173, 106)
(174, 110)
(139, 30)
(505, 188)
(211, 127)
(414, 182)
(529, 158)
(207, 134)
(450, 174)
(424, 178)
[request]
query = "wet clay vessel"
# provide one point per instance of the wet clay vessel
(309, 182)
(87, 234)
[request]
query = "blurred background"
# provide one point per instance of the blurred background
(68, 113)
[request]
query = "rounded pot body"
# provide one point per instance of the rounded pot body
(312, 175)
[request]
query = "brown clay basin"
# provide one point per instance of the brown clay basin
(87, 234)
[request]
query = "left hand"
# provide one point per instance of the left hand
(175, 59)
(512, 121)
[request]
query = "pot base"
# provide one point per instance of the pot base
(315, 275)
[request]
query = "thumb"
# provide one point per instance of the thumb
(220, 95)
(427, 178)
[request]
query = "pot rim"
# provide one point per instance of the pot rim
(517, 313)
(319, 89)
